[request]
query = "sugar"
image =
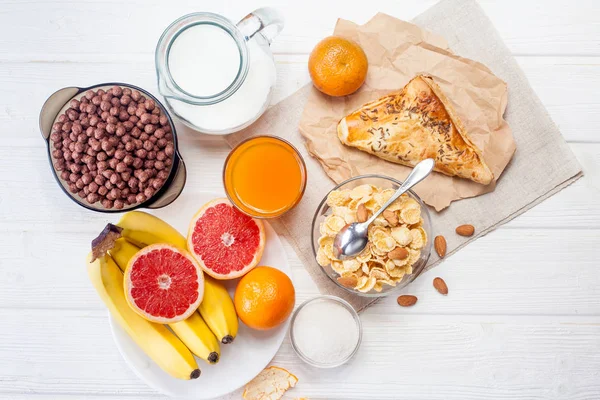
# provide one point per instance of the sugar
(325, 332)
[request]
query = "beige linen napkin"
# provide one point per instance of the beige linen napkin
(542, 165)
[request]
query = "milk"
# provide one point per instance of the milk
(204, 60)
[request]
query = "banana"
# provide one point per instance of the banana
(143, 229)
(218, 311)
(198, 337)
(122, 252)
(155, 340)
(217, 308)
(193, 332)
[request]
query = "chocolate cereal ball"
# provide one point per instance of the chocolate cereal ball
(112, 147)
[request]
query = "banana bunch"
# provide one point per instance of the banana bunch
(155, 340)
(216, 320)
(143, 229)
(217, 307)
(193, 331)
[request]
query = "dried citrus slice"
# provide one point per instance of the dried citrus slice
(163, 283)
(270, 384)
(226, 242)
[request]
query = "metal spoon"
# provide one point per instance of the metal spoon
(352, 239)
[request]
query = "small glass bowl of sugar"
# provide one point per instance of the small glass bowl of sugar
(325, 331)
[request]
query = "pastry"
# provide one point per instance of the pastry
(412, 125)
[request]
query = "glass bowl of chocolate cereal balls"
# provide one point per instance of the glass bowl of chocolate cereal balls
(112, 147)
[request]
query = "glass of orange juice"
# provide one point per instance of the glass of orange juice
(264, 176)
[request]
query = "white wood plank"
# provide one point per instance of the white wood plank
(113, 29)
(48, 271)
(508, 272)
(89, 396)
(576, 206)
(566, 86)
(61, 353)
(563, 85)
(416, 357)
(47, 209)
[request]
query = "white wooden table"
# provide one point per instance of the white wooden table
(522, 320)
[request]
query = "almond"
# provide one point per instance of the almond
(361, 213)
(407, 300)
(390, 217)
(440, 286)
(348, 281)
(440, 245)
(399, 253)
(465, 230)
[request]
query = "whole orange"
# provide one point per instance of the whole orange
(337, 66)
(264, 298)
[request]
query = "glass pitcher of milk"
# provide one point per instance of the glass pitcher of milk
(216, 76)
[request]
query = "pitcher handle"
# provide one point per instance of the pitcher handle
(266, 20)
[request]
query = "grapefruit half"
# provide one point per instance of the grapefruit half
(163, 283)
(226, 242)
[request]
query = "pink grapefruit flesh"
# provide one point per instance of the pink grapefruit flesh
(226, 242)
(164, 284)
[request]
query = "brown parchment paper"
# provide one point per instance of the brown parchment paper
(398, 51)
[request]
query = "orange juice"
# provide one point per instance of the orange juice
(264, 176)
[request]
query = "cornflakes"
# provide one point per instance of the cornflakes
(401, 235)
(413, 256)
(337, 266)
(334, 224)
(365, 268)
(418, 237)
(360, 191)
(370, 203)
(372, 269)
(368, 285)
(382, 197)
(398, 204)
(322, 258)
(393, 270)
(338, 198)
(378, 273)
(365, 255)
(385, 244)
(351, 265)
(411, 212)
(381, 221)
(348, 214)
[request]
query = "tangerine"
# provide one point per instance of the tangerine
(337, 66)
(264, 298)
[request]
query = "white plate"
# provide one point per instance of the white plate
(241, 360)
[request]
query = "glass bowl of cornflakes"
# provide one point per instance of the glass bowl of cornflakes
(399, 239)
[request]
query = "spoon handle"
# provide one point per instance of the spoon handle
(419, 172)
